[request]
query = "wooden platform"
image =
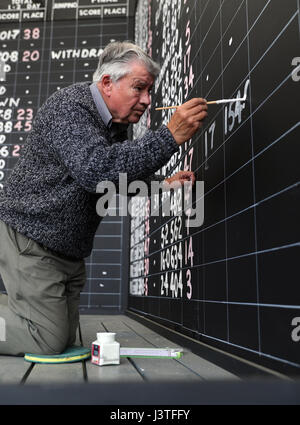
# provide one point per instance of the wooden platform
(130, 333)
(168, 380)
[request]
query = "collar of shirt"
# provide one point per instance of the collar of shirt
(115, 128)
(101, 105)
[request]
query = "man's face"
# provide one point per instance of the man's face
(130, 96)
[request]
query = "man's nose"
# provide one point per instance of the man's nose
(145, 98)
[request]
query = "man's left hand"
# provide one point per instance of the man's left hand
(181, 177)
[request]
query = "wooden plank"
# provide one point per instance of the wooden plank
(56, 374)
(151, 369)
(124, 372)
(12, 369)
(90, 325)
(203, 367)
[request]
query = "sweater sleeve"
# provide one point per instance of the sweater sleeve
(82, 145)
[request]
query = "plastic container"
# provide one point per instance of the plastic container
(105, 350)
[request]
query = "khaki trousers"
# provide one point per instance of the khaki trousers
(40, 313)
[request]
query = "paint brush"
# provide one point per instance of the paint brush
(214, 102)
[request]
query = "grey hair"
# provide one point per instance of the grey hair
(116, 58)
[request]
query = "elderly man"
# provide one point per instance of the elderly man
(48, 215)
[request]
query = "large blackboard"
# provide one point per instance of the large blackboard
(232, 282)
(45, 46)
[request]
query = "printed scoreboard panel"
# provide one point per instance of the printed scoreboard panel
(233, 280)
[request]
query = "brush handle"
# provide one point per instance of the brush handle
(166, 107)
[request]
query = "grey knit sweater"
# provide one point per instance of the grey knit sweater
(50, 195)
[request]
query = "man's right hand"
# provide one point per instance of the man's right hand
(187, 119)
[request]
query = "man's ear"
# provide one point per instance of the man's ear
(106, 85)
